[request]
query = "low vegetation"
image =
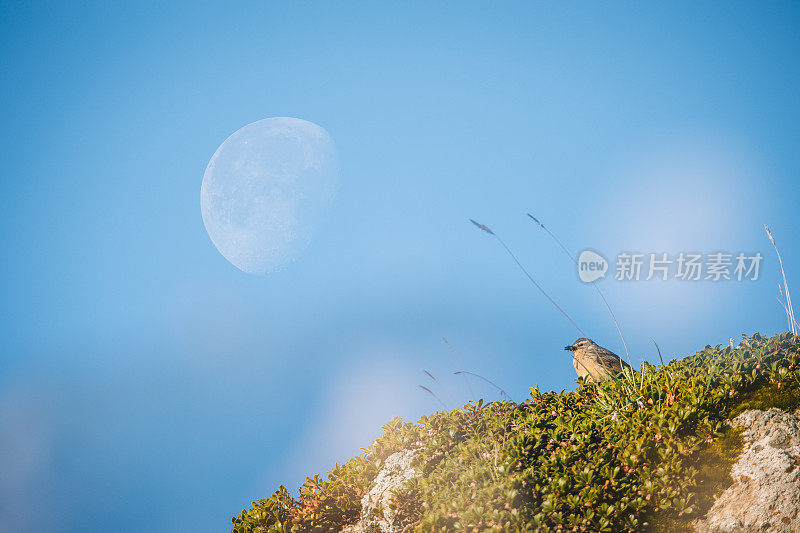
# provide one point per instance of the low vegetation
(647, 451)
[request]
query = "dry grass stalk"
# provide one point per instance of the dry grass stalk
(594, 284)
(514, 257)
(785, 292)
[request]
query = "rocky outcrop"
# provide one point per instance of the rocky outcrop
(765, 496)
(376, 513)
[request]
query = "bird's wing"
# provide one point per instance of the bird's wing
(611, 360)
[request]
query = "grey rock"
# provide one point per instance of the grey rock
(376, 513)
(765, 495)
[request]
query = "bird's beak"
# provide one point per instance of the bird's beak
(570, 348)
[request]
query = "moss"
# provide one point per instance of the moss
(780, 395)
(713, 465)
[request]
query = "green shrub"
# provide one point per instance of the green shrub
(648, 450)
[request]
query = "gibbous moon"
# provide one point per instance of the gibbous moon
(265, 189)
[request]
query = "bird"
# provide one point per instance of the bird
(594, 362)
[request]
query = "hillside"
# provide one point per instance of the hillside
(650, 451)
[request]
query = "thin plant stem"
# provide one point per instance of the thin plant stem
(442, 386)
(594, 284)
(426, 389)
(514, 257)
(792, 321)
(460, 367)
(490, 382)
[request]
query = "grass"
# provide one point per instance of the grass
(486, 229)
(784, 290)
(648, 451)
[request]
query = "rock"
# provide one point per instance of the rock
(376, 513)
(765, 495)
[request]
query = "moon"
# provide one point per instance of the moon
(265, 189)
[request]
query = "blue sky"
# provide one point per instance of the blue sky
(148, 385)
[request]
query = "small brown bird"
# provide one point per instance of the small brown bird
(594, 362)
